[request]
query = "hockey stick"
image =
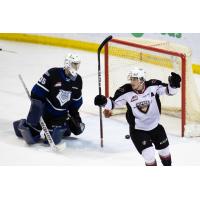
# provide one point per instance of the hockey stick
(8, 51)
(99, 81)
(54, 147)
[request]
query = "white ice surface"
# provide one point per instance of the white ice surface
(32, 61)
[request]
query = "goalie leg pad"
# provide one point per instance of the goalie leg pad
(58, 134)
(15, 126)
(67, 133)
(28, 136)
(35, 112)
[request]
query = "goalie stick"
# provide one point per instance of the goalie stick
(54, 147)
(99, 81)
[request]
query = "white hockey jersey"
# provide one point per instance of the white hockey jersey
(143, 109)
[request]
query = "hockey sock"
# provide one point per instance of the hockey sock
(166, 160)
(151, 164)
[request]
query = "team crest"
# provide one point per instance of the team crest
(143, 106)
(63, 97)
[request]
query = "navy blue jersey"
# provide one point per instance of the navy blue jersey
(60, 93)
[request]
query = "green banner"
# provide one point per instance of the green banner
(175, 35)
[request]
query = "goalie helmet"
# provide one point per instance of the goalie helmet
(137, 73)
(72, 63)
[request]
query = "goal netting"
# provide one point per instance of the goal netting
(158, 59)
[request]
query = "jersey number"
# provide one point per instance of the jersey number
(42, 80)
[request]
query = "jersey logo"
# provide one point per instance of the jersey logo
(63, 97)
(58, 84)
(143, 106)
(134, 98)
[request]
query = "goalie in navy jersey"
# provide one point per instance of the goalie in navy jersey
(141, 98)
(57, 97)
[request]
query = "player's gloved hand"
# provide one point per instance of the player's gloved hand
(107, 113)
(174, 80)
(75, 124)
(80, 126)
(100, 100)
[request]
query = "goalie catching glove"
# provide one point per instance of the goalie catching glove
(76, 126)
(174, 80)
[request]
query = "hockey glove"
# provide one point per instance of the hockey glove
(174, 80)
(100, 100)
(76, 126)
(107, 113)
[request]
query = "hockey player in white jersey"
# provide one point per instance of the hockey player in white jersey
(141, 98)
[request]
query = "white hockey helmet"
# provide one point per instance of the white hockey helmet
(72, 63)
(137, 73)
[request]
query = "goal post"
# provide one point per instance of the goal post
(158, 58)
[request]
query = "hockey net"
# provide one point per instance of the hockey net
(158, 59)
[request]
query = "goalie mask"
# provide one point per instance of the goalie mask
(71, 64)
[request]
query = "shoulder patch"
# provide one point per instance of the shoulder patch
(122, 90)
(125, 88)
(153, 82)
